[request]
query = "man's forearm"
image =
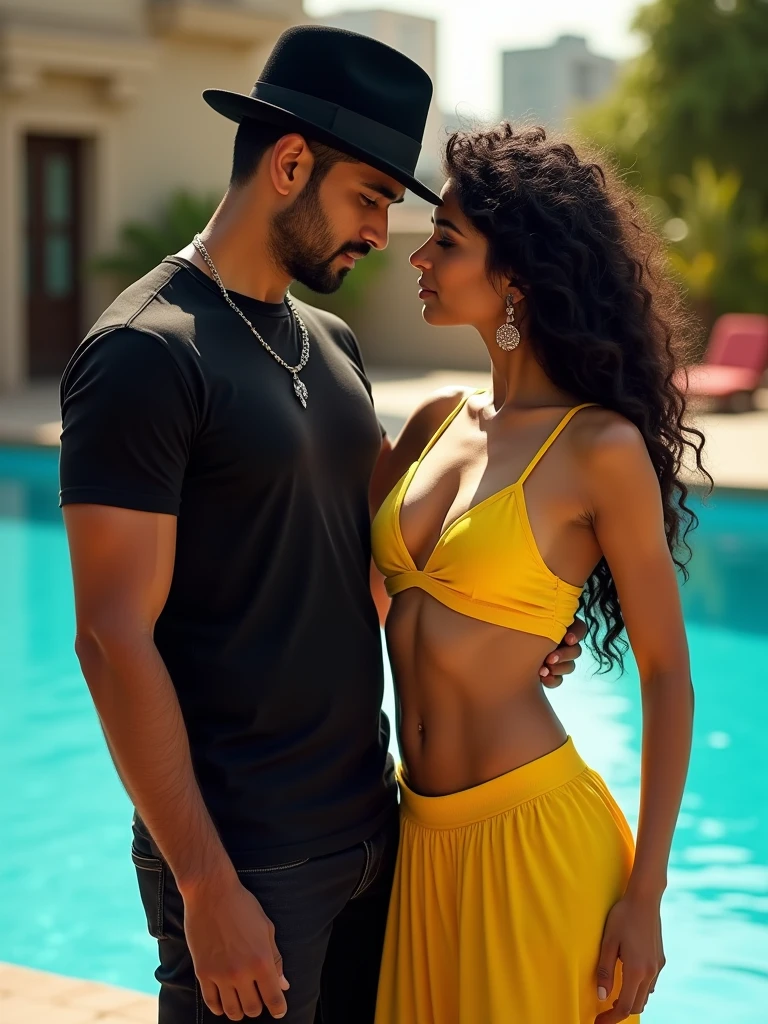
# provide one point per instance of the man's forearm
(145, 731)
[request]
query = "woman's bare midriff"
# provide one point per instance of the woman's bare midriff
(471, 704)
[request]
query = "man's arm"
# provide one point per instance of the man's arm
(122, 563)
(131, 409)
(381, 598)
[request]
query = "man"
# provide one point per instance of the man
(218, 442)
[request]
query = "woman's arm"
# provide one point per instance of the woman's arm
(628, 520)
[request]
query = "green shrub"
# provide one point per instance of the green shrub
(145, 244)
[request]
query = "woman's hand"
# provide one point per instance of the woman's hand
(633, 935)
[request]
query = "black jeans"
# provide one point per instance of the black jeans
(329, 915)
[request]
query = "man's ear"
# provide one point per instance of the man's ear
(291, 163)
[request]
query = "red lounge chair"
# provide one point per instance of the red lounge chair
(735, 360)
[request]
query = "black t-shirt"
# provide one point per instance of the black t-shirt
(269, 632)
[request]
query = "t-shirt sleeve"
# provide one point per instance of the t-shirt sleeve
(129, 418)
(357, 356)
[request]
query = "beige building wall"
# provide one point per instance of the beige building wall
(125, 76)
(126, 15)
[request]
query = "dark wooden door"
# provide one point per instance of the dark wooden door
(54, 251)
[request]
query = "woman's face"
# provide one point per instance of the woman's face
(454, 283)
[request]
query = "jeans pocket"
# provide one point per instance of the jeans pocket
(273, 867)
(150, 872)
(380, 857)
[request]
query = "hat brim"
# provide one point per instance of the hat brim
(237, 106)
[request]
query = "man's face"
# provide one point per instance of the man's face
(334, 222)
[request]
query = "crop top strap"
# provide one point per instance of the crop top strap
(552, 438)
(446, 423)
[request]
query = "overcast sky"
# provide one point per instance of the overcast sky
(471, 34)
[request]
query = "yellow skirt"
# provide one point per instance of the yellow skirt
(500, 898)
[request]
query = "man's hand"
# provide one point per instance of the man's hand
(232, 942)
(561, 662)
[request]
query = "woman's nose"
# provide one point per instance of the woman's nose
(418, 260)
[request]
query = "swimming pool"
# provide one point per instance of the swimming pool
(67, 890)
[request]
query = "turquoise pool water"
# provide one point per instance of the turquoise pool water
(67, 891)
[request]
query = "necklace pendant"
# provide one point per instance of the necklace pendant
(301, 390)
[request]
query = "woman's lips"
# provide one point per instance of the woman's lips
(425, 292)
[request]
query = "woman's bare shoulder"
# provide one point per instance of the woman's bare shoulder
(427, 418)
(611, 450)
(598, 431)
(418, 430)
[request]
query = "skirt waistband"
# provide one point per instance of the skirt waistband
(496, 796)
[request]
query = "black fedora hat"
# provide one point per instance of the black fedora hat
(346, 90)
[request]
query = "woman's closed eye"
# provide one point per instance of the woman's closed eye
(444, 243)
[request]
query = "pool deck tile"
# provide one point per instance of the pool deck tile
(30, 417)
(736, 447)
(20, 1010)
(143, 1012)
(100, 998)
(37, 997)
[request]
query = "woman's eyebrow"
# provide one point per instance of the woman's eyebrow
(443, 222)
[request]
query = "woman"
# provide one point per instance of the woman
(518, 892)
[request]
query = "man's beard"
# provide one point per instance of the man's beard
(301, 242)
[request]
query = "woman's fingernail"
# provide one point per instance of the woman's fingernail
(571, 639)
(544, 672)
(553, 659)
(602, 995)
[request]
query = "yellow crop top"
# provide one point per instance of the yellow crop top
(485, 564)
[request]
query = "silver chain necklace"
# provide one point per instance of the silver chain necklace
(299, 387)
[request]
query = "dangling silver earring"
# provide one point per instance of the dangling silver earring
(508, 336)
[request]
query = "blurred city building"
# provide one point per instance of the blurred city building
(100, 120)
(545, 85)
(416, 38)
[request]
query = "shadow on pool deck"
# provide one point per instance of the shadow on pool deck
(735, 450)
(36, 997)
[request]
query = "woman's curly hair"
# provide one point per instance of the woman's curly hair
(604, 320)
